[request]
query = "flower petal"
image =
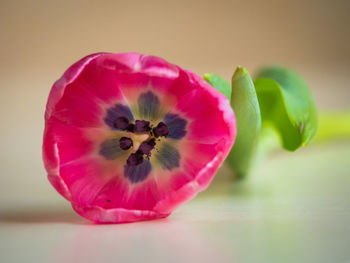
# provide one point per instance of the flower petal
(80, 146)
(120, 193)
(77, 110)
(116, 215)
(86, 177)
(206, 115)
(68, 77)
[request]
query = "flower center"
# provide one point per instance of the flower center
(142, 138)
(138, 139)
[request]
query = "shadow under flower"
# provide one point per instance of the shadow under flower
(41, 215)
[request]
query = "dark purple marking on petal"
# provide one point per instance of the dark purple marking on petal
(161, 130)
(110, 149)
(121, 123)
(138, 173)
(125, 143)
(168, 156)
(147, 146)
(148, 106)
(142, 126)
(115, 112)
(176, 125)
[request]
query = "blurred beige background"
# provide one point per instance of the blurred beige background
(295, 207)
(40, 39)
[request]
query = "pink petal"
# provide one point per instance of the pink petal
(118, 193)
(86, 177)
(116, 215)
(207, 114)
(68, 77)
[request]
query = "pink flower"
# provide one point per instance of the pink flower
(129, 137)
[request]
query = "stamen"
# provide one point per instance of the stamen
(161, 130)
(135, 159)
(131, 127)
(121, 123)
(147, 146)
(125, 143)
(142, 126)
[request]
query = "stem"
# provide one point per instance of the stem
(333, 126)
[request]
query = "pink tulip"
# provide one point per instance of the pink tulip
(130, 137)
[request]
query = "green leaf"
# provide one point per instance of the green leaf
(286, 103)
(246, 107)
(219, 84)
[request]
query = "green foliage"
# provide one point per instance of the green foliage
(286, 104)
(219, 84)
(278, 98)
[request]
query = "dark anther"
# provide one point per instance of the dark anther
(147, 146)
(142, 126)
(108, 200)
(131, 127)
(161, 130)
(121, 123)
(125, 143)
(135, 158)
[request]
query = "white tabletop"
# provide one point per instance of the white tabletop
(294, 208)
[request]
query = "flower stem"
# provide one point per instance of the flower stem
(333, 126)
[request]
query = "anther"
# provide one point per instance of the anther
(142, 126)
(135, 158)
(147, 146)
(125, 143)
(131, 127)
(161, 130)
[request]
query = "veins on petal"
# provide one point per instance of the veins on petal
(176, 125)
(168, 157)
(139, 172)
(110, 149)
(148, 105)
